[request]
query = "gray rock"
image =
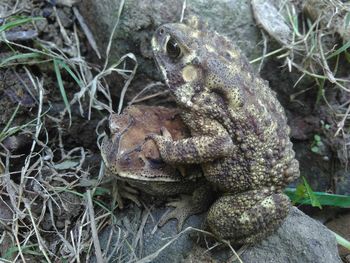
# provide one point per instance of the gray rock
(136, 237)
(140, 18)
(269, 16)
(299, 239)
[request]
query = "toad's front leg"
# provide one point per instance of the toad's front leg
(199, 149)
(247, 217)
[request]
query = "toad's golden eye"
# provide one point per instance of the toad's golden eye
(173, 49)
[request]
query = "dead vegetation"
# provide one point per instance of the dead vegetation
(314, 40)
(52, 207)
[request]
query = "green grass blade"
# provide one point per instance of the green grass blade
(347, 20)
(347, 56)
(26, 250)
(21, 56)
(101, 191)
(341, 241)
(71, 73)
(18, 22)
(303, 191)
(7, 131)
(342, 201)
(61, 86)
(313, 198)
(8, 124)
(323, 198)
(340, 50)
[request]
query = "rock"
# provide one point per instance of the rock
(269, 16)
(140, 18)
(299, 239)
(128, 230)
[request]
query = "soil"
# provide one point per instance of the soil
(341, 226)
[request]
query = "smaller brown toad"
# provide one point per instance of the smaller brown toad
(133, 159)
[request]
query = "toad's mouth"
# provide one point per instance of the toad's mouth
(159, 61)
(124, 167)
(105, 154)
(160, 68)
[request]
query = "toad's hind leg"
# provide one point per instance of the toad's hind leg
(247, 217)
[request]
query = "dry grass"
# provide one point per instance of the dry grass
(312, 50)
(55, 209)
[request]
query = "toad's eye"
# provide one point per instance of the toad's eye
(173, 49)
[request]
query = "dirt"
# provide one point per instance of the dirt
(341, 226)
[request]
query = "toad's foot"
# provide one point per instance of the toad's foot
(184, 208)
(122, 191)
(199, 202)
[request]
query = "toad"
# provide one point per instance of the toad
(239, 132)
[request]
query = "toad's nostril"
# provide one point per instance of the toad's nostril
(161, 31)
(107, 129)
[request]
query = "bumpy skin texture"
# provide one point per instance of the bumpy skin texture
(239, 131)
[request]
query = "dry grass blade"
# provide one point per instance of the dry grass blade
(87, 31)
(96, 241)
(42, 246)
(150, 86)
(127, 83)
(20, 190)
(108, 49)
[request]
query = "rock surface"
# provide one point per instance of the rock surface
(140, 18)
(299, 239)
